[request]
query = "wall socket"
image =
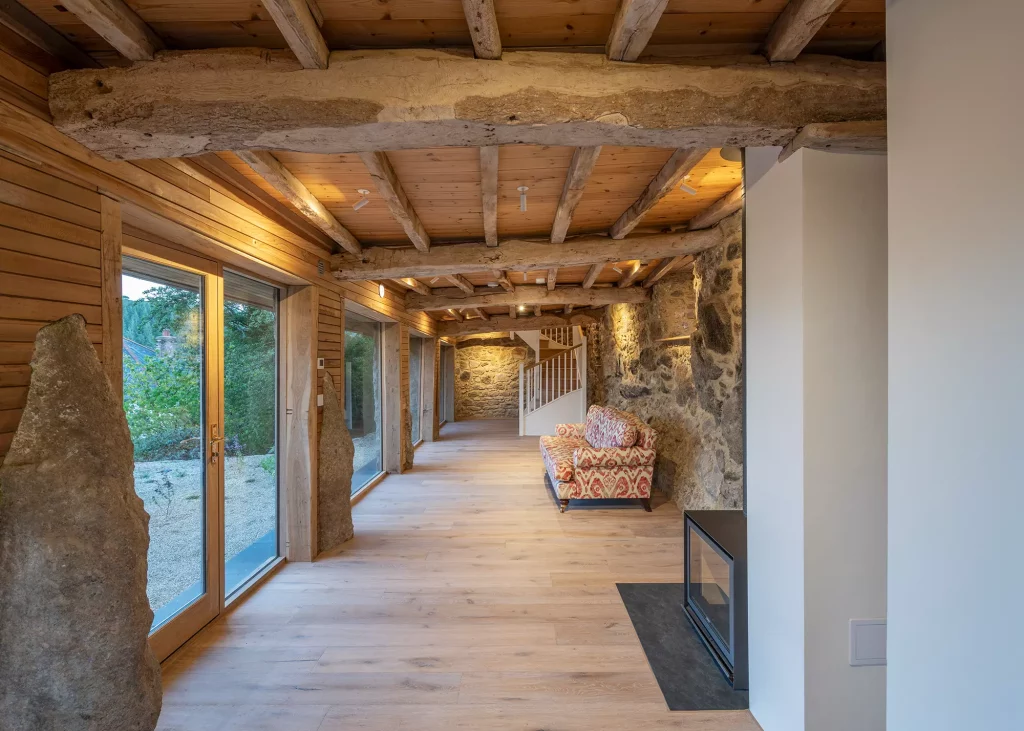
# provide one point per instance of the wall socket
(319, 399)
(867, 642)
(320, 363)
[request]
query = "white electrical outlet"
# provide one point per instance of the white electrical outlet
(867, 642)
(319, 399)
(320, 363)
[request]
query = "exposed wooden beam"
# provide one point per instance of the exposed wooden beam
(512, 312)
(483, 28)
(33, 29)
(390, 189)
(537, 312)
(662, 269)
(456, 314)
(517, 255)
(504, 281)
(840, 137)
(280, 178)
(593, 274)
(583, 160)
(202, 101)
(673, 171)
(634, 23)
(481, 314)
(119, 25)
(724, 206)
(552, 278)
(415, 286)
(461, 282)
(318, 14)
(796, 25)
(489, 192)
(537, 295)
(632, 275)
(295, 20)
(448, 329)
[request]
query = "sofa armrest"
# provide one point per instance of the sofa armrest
(571, 430)
(590, 457)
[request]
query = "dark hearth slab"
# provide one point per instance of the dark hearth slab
(688, 676)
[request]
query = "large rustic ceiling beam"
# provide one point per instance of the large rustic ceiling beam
(36, 31)
(673, 171)
(722, 208)
(294, 18)
(447, 328)
(535, 295)
(390, 188)
(840, 137)
(489, 157)
(522, 255)
(582, 164)
(119, 25)
(483, 27)
(796, 25)
(632, 28)
(281, 179)
(201, 101)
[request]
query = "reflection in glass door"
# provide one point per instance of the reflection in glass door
(363, 341)
(164, 356)
(250, 428)
(415, 392)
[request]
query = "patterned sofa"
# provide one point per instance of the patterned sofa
(609, 456)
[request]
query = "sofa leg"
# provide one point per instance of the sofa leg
(646, 502)
(562, 505)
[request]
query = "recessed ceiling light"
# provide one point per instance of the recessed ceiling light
(380, 290)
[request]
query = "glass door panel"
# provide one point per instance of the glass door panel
(164, 356)
(363, 340)
(415, 395)
(250, 428)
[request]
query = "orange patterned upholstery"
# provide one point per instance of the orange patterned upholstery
(579, 470)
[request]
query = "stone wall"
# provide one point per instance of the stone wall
(691, 392)
(487, 377)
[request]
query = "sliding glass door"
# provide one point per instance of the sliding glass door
(363, 342)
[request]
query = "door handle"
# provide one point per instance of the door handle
(215, 444)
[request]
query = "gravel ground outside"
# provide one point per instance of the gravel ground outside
(172, 492)
(367, 449)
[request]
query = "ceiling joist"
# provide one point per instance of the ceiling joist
(722, 208)
(447, 328)
(632, 28)
(279, 177)
(295, 20)
(483, 28)
(670, 175)
(796, 25)
(119, 25)
(200, 101)
(632, 275)
(29, 26)
(592, 274)
(489, 192)
(662, 269)
(504, 281)
(580, 168)
(386, 181)
(461, 282)
(517, 255)
(535, 295)
(869, 137)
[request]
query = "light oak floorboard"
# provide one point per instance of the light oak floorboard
(465, 602)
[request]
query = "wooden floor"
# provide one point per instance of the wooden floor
(466, 601)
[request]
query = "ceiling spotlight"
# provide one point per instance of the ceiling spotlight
(380, 290)
(434, 280)
(363, 200)
(522, 197)
(492, 284)
(687, 189)
(732, 154)
(522, 308)
(540, 280)
(616, 270)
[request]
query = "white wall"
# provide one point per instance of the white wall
(816, 408)
(956, 345)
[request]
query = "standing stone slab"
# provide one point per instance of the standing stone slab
(74, 617)
(334, 508)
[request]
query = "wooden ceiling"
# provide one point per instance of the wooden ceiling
(687, 27)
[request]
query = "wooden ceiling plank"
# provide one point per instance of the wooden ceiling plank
(447, 328)
(483, 28)
(390, 189)
(796, 25)
(461, 282)
(529, 295)
(632, 28)
(517, 255)
(295, 20)
(583, 161)
(677, 167)
(119, 25)
(631, 276)
(593, 274)
(201, 101)
(662, 269)
(489, 158)
(870, 137)
(723, 207)
(277, 175)
(29, 26)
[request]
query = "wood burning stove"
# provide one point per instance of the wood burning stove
(715, 596)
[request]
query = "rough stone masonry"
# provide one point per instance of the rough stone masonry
(74, 617)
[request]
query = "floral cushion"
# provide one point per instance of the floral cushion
(585, 457)
(578, 431)
(645, 435)
(558, 456)
(606, 427)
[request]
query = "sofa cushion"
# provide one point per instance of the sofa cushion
(608, 427)
(558, 456)
(646, 437)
